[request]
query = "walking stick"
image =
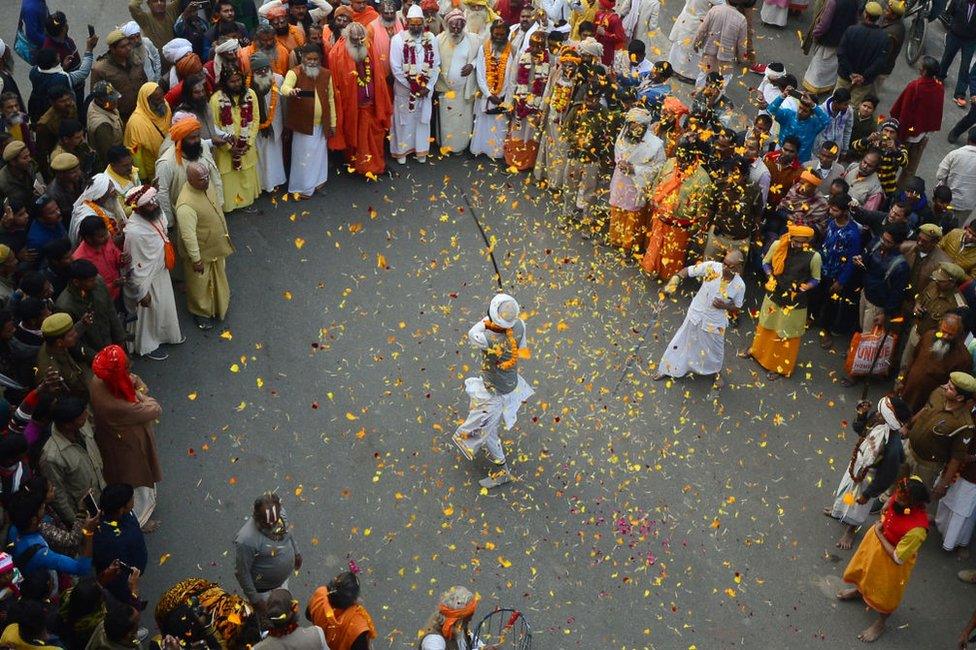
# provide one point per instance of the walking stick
(874, 362)
(491, 252)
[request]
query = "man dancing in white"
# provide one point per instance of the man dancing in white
(699, 345)
(499, 391)
(415, 63)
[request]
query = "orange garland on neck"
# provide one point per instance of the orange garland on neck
(510, 363)
(496, 79)
(271, 108)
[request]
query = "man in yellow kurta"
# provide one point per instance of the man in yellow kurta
(206, 245)
(792, 268)
(960, 246)
(235, 111)
(146, 129)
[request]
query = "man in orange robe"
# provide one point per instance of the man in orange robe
(363, 105)
(362, 13)
(380, 32)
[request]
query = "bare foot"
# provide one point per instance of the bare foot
(828, 511)
(151, 526)
(873, 633)
(846, 540)
(848, 594)
(772, 376)
(745, 354)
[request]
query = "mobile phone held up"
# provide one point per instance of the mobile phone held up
(90, 506)
(91, 31)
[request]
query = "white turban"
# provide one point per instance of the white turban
(228, 46)
(176, 49)
(591, 46)
(415, 12)
(99, 186)
(140, 195)
(3, 48)
(433, 642)
(503, 309)
(888, 413)
(455, 15)
(131, 28)
(639, 115)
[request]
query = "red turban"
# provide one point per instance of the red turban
(429, 5)
(112, 366)
(342, 10)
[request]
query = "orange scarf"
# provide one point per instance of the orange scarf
(452, 616)
(666, 192)
(113, 228)
(341, 626)
(782, 250)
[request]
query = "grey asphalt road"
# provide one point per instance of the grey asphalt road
(646, 514)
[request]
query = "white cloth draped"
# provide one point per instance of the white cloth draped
(309, 162)
(627, 191)
(683, 57)
(956, 515)
(158, 323)
(490, 130)
(869, 450)
(410, 131)
(456, 110)
(271, 162)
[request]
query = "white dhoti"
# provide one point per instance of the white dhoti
(821, 74)
(684, 59)
(143, 503)
(271, 162)
(487, 411)
(157, 324)
(846, 509)
(696, 347)
(454, 119)
(771, 14)
(489, 135)
(410, 132)
(309, 162)
(957, 514)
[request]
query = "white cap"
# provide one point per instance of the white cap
(131, 28)
(415, 12)
(503, 310)
(433, 642)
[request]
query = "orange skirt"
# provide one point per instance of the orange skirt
(881, 582)
(774, 353)
(627, 227)
(666, 248)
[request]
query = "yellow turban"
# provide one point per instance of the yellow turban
(779, 255)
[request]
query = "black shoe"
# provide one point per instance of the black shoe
(203, 322)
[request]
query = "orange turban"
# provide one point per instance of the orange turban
(808, 176)
(779, 255)
(429, 5)
(188, 65)
(342, 10)
(277, 12)
(180, 130)
(112, 366)
(452, 616)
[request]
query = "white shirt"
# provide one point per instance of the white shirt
(701, 310)
(958, 171)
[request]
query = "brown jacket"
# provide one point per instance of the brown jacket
(126, 79)
(300, 115)
(126, 435)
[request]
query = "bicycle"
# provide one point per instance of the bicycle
(917, 12)
(503, 629)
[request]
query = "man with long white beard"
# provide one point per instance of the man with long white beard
(265, 42)
(144, 53)
(939, 352)
(102, 200)
(311, 116)
(416, 64)
(265, 84)
(479, 14)
(457, 85)
(363, 107)
(380, 32)
(491, 114)
(188, 146)
(638, 154)
(148, 290)
(500, 390)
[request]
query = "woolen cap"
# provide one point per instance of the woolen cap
(873, 9)
(57, 324)
(116, 35)
(13, 149)
(951, 271)
(963, 381)
(931, 229)
(64, 161)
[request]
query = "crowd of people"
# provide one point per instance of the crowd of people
(198, 107)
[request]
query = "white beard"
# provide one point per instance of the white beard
(940, 348)
(262, 84)
(457, 38)
(357, 52)
(311, 73)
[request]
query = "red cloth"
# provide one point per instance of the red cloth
(613, 37)
(360, 129)
(509, 10)
(895, 525)
(918, 108)
(107, 259)
(111, 365)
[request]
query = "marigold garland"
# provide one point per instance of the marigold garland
(495, 67)
(271, 109)
(509, 363)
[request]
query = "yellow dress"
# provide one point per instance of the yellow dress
(241, 182)
(880, 579)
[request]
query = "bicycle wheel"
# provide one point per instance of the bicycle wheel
(506, 628)
(915, 39)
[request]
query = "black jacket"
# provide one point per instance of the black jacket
(960, 24)
(863, 50)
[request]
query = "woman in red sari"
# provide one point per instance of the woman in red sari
(883, 563)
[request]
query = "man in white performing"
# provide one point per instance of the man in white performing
(497, 394)
(148, 290)
(699, 344)
(415, 63)
(457, 83)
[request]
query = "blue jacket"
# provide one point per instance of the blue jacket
(44, 559)
(885, 278)
(806, 130)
